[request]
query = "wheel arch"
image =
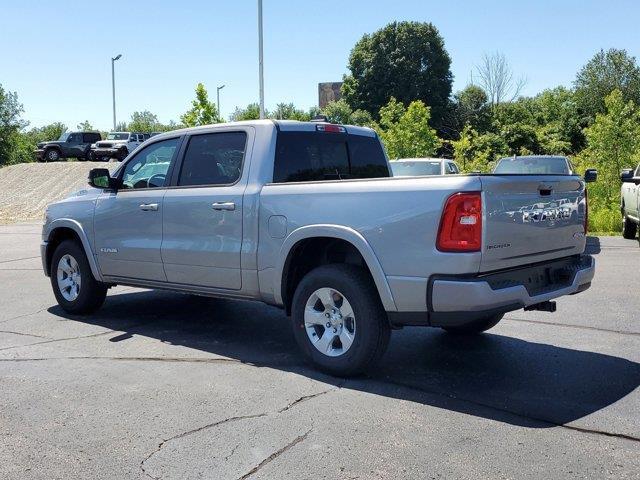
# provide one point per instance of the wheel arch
(328, 236)
(68, 229)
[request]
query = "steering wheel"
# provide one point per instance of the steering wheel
(160, 178)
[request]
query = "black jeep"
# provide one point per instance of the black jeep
(69, 145)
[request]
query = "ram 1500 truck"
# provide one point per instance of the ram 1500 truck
(305, 216)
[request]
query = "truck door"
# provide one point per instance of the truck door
(202, 224)
(128, 222)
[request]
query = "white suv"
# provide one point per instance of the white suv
(118, 145)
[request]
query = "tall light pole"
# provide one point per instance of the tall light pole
(218, 97)
(113, 86)
(260, 59)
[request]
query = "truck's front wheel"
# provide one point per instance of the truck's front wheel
(476, 326)
(338, 319)
(73, 284)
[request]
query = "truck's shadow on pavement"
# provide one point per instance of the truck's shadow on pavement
(491, 376)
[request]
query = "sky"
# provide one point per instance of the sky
(57, 55)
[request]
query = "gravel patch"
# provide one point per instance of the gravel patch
(27, 188)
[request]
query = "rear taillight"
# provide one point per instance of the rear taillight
(461, 223)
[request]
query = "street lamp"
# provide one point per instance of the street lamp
(218, 96)
(113, 86)
(260, 58)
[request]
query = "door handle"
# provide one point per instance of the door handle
(149, 207)
(223, 206)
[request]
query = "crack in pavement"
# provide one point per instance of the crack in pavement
(276, 454)
(58, 340)
(24, 315)
(18, 259)
(23, 334)
(191, 432)
(238, 418)
(572, 325)
(134, 359)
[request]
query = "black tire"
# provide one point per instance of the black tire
(476, 326)
(629, 228)
(90, 156)
(91, 293)
(122, 153)
(371, 329)
(52, 155)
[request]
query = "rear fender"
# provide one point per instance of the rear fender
(340, 232)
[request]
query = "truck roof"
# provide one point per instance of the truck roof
(283, 125)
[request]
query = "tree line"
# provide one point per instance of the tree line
(400, 83)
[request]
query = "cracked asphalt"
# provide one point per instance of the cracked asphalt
(168, 386)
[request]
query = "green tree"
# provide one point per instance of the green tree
(476, 152)
(613, 143)
(471, 107)
(605, 72)
(145, 122)
(555, 112)
(10, 125)
(288, 111)
(405, 60)
(202, 112)
(340, 112)
(405, 132)
(250, 112)
(85, 126)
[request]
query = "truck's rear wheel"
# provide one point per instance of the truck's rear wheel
(73, 284)
(476, 326)
(629, 228)
(338, 319)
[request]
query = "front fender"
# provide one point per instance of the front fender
(84, 239)
(343, 233)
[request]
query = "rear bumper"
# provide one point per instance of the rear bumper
(458, 300)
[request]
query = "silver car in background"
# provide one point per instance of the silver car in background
(416, 167)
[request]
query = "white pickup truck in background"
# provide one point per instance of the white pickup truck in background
(630, 201)
(305, 216)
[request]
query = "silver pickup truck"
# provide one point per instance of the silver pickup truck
(305, 216)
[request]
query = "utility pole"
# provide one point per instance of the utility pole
(218, 98)
(113, 86)
(260, 59)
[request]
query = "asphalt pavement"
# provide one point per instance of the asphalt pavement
(168, 386)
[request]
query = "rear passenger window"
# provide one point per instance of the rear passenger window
(213, 159)
(314, 156)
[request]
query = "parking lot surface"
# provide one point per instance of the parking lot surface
(164, 385)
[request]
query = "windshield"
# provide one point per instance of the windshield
(533, 165)
(64, 136)
(117, 136)
(412, 169)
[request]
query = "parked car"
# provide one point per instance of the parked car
(69, 145)
(118, 145)
(304, 216)
(630, 201)
(539, 165)
(412, 167)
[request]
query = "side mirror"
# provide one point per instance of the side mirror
(626, 175)
(590, 175)
(101, 178)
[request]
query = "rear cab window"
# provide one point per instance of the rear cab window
(307, 156)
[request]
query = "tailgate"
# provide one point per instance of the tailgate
(531, 218)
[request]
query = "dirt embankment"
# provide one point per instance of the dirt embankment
(27, 188)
